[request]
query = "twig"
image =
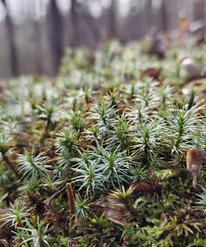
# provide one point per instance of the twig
(47, 201)
(71, 201)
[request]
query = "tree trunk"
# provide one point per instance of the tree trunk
(56, 34)
(164, 15)
(199, 10)
(92, 24)
(112, 19)
(11, 40)
(75, 23)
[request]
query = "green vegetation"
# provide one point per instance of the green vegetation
(97, 155)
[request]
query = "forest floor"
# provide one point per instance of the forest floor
(97, 155)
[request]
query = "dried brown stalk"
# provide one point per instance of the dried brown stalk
(71, 201)
(4, 242)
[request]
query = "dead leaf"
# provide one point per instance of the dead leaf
(113, 208)
(195, 158)
(153, 73)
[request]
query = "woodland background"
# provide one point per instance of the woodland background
(34, 34)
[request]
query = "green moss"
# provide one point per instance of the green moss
(106, 128)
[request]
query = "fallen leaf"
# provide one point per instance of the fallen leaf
(113, 208)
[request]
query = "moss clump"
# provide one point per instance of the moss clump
(116, 129)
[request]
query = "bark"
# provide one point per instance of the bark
(92, 24)
(164, 16)
(11, 41)
(75, 23)
(199, 9)
(56, 34)
(83, 23)
(112, 19)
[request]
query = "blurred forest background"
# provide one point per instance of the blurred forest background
(35, 33)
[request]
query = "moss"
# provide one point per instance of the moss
(111, 129)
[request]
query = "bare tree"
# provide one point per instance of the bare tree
(85, 28)
(199, 9)
(11, 40)
(112, 19)
(56, 33)
(164, 15)
(74, 22)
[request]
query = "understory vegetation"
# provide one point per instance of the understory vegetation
(97, 155)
